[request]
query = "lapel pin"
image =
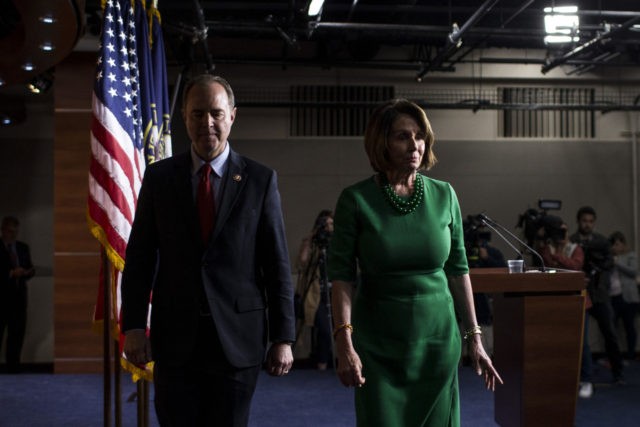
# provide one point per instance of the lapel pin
(237, 178)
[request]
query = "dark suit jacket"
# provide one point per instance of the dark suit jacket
(24, 257)
(244, 268)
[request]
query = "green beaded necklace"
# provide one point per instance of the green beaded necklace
(403, 206)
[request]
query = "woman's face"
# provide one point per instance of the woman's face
(618, 247)
(406, 144)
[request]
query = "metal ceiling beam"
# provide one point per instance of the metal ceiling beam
(471, 48)
(454, 39)
(591, 44)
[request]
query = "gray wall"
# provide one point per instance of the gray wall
(502, 177)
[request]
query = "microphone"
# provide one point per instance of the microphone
(494, 226)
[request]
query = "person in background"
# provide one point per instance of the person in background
(313, 287)
(397, 336)
(16, 270)
(208, 238)
(598, 265)
(625, 298)
(481, 254)
(558, 251)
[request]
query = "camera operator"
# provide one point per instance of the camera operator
(312, 291)
(598, 265)
(555, 247)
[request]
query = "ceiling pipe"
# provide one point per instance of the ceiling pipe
(474, 105)
(471, 48)
(352, 9)
(598, 60)
(589, 45)
(455, 38)
(203, 30)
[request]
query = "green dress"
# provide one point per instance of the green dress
(405, 328)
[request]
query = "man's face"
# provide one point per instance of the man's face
(208, 118)
(9, 233)
(586, 223)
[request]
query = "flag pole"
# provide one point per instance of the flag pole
(106, 339)
(117, 383)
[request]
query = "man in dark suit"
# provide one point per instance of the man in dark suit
(208, 238)
(15, 269)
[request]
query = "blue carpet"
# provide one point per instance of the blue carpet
(303, 398)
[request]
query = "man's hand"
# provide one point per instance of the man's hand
(279, 359)
(137, 347)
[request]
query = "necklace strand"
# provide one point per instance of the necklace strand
(403, 206)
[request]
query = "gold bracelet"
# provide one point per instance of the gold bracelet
(476, 330)
(342, 326)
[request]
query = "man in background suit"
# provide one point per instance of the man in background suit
(16, 269)
(219, 269)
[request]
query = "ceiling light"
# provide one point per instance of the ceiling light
(41, 83)
(47, 19)
(47, 46)
(315, 7)
(5, 120)
(28, 66)
(561, 24)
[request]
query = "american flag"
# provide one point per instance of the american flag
(117, 137)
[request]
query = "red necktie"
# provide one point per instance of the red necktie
(206, 202)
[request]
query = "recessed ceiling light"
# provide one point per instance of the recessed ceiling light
(5, 120)
(47, 46)
(28, 66)
(47, 19)
(1, 81)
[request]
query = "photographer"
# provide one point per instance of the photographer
(312, 291)
(554, 245)
(598, 265)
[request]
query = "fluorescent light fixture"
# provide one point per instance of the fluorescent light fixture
(561, 24)
(315, 7)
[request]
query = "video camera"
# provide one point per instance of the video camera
(475, 232)
(532, 220)
(321, 235)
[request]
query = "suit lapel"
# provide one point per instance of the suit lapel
(234, 181)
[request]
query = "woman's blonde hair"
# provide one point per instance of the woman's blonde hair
(376, 136)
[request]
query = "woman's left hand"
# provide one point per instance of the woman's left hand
(482, 363)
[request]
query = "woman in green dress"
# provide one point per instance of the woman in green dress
(401, 232)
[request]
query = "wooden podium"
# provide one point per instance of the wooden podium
(537, 332)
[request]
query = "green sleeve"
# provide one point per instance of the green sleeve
(456, 264)
(341, 262)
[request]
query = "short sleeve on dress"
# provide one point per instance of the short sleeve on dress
(456, 264)
(341, 262)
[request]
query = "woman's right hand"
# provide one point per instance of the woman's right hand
(349, 364)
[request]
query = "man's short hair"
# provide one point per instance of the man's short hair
(617, 236)
(206, 79)
(585, 210)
